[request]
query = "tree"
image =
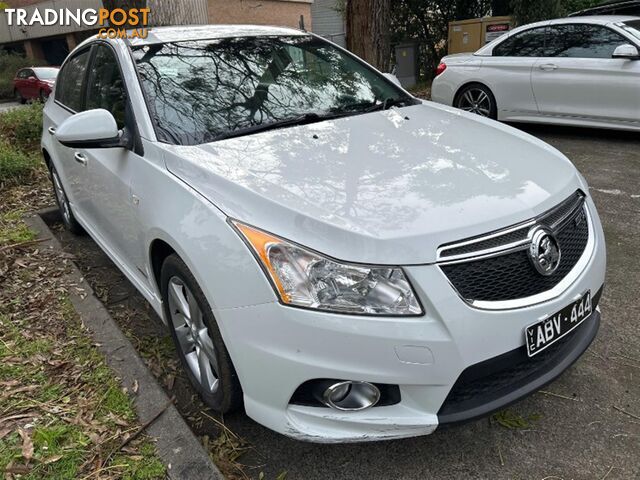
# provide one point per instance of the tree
(368, 31)
(527, 11)
(427, 22)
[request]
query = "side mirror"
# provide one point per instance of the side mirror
(626, 51)
(91, 129)
(393, 78)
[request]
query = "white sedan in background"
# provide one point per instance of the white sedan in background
(582, 71)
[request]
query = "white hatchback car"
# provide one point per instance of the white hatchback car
(348, 262)
(582, 71)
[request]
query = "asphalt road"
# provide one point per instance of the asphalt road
(585, 426)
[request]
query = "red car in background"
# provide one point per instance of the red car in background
(34, 83)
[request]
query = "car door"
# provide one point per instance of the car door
(19, 81)
(110, 171)
(69, 99)
(509, 67)
(28, 83)
(579, 77)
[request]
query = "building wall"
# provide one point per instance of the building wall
(261, 12)
(183, 12)
(328, 22)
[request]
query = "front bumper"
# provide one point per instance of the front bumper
(276, 348)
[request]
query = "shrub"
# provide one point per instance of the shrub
(22, 127)
(16, 166)
(10, 63)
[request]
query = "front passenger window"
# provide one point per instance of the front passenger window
(105, 86)
(583, 41)
(70, 78)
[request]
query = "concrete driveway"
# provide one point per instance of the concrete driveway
(585, 425)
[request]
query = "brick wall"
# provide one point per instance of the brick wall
(261, 12)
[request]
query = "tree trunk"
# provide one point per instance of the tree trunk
(368, 31)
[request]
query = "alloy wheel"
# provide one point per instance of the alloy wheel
(193, 335)
(476, 100)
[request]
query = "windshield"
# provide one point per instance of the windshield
(632, 27)
(199, 91)
(46, 73)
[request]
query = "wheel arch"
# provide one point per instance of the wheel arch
(47, 157)
(159, 250)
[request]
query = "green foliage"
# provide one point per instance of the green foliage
(526, 11)
(10, 63)
(20, 131)
(16, 166)
(427, 21)
(22, 127)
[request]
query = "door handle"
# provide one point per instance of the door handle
(547, 67)
(51, 130)
(80, 158)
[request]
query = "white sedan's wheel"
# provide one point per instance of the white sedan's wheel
(477, 99)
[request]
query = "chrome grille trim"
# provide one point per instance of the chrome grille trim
(566, 209)
(550, 294)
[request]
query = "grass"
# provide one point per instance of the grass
(20, 158)
(16, 166)
(63, 413)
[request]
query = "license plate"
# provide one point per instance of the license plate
(542, 334)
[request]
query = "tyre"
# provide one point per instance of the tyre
(197, 338)
(478, 99)
(19, 98)
(70, 222)
(43, 96)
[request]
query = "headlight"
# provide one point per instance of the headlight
(308, 279)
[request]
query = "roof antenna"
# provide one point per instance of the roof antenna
(302, 23)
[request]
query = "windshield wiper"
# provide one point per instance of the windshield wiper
(310, 117)
(386, 104)
(263, 127)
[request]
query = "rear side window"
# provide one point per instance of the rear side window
(105, 87)
(70, 81)
(529, 43)
(582, 41)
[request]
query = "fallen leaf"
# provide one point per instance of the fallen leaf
(53, 459)
(27, 445)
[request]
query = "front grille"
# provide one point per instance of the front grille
(511, 276)
(494, 242)
(503, 238)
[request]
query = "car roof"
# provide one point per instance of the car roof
(597, 19)
(201, 32)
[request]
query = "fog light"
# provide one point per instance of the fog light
(351, 395)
